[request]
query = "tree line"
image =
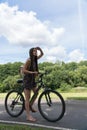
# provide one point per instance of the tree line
(60, 75)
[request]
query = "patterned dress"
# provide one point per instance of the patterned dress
(29, 79)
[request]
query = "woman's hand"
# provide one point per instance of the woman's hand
(35, 73)
(41, 52)
(38, 48)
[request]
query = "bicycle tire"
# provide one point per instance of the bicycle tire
(47, 105)
(16, 107)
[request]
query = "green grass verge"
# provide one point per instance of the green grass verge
(19, 127)
(2, 95)
(75, 93)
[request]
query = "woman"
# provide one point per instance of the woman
(30, 71)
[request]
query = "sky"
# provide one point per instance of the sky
(59, 28)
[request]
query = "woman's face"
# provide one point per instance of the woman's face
(35, 52)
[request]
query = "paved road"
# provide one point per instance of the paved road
(74, 118)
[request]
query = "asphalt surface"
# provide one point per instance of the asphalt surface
(75, 117)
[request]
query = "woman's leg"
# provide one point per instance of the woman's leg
(34, 91)
(27, 97)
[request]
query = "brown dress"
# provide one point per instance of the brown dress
(29, 79)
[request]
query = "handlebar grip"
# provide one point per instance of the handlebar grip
(41, 74)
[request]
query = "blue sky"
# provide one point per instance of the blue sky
(58, 27)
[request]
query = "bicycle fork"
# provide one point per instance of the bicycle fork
(48, 99)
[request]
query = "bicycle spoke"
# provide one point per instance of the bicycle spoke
(14, 103)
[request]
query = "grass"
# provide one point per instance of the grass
(75, 94)
(19, 127)
(2, 95)
(78, 93)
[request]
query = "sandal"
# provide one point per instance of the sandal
(31, 119)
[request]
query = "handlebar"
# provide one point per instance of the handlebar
(42, 74)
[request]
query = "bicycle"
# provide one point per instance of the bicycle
(51, 104)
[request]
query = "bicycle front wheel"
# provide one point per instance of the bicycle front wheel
(14, 103)
(51, 105)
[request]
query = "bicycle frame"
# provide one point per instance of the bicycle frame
(39, 87)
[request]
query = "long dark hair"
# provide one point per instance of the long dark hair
(33, 59)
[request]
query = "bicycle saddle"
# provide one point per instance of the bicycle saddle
(20, 81)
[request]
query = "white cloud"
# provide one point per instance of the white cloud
(55, 53)
(51, 59)
(24, 28)
(76, 55)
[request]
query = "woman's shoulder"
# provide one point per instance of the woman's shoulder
(28, 61)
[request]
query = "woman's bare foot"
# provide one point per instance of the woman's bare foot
(30, 118)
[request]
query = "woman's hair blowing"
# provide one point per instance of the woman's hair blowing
(33, 59)
(31, 52)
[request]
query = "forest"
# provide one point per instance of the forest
(60, 75)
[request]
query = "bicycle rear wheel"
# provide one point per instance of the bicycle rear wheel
(14, 103)
(51, 105)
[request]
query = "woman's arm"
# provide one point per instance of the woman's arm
(41, 52)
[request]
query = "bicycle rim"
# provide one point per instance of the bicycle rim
(51, 105)
(14, 103)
